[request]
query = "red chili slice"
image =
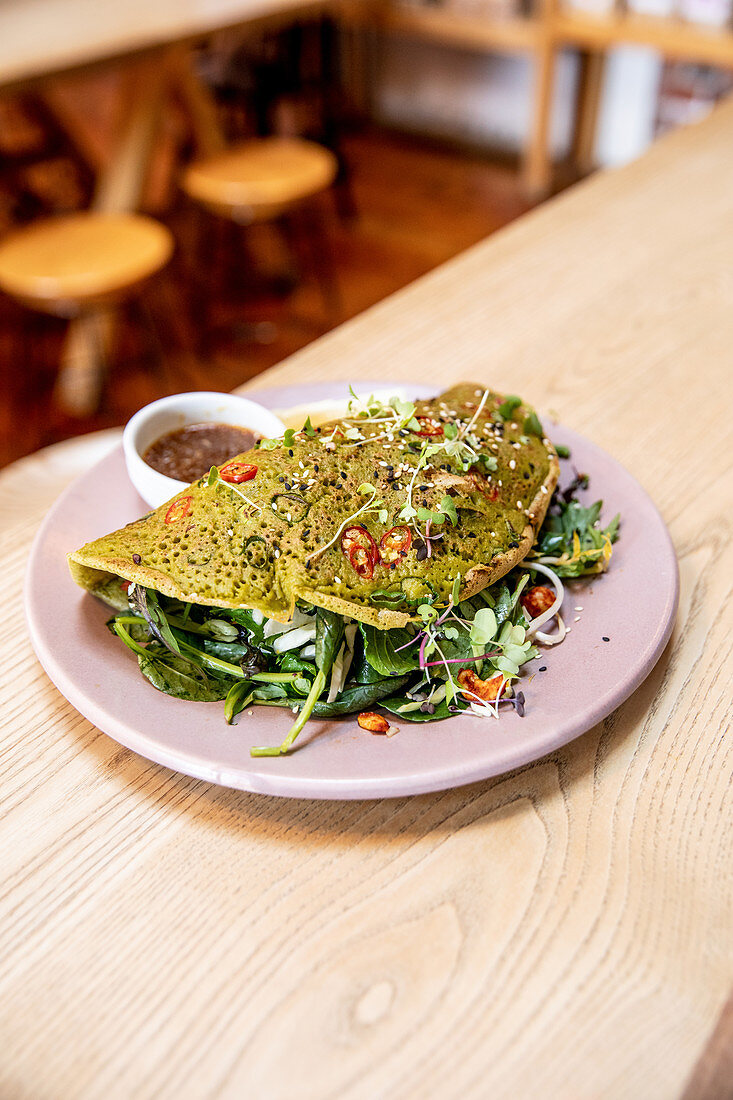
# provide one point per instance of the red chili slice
(427, 428)
(356, 536)
(395, 544)
(237, 472)
(362, 562)
(178, 510)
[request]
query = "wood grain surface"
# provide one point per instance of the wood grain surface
(561, 931)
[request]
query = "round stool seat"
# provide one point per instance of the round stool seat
(260, 178)
(81, 259)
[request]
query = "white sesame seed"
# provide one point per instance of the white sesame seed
(513, 464)
(576, 619)
(337, 580)
(519, 504)
(578, 608)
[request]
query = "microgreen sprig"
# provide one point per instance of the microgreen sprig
(214, 479)
(372, 505)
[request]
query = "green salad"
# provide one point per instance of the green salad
(453, 656)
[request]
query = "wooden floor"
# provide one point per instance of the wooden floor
(416, 206)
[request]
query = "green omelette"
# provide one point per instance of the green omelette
(388, 558)
(362, 516)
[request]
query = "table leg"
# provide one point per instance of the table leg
(588, 104)
(537, 168)
(197, 102)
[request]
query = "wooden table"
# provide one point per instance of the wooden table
(561, 931)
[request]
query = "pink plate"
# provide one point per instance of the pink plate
(633, 606)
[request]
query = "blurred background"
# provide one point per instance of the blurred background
(190, 190)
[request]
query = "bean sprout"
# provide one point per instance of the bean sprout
(552, 611)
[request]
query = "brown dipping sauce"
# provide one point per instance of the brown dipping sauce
(188, 453)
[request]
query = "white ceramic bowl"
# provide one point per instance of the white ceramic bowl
(170, 413)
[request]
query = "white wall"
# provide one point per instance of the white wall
(486, 99)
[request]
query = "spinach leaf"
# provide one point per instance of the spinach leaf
(353, 699)
(145, 601)
(227, 651)
(329, 635)
(459, 648)
(289, 662)
(361, 671)
(272, 691)
(250, 659)
(571, 538)
(381, 650)
(358, 697)
(179, 677)
(238, 697)
(241, 617)
(442, 710)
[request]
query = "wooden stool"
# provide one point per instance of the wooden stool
(270, 180)
(260, 180)
(79, 265)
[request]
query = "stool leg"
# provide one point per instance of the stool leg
(318, 243)
(81, 378)
(158, 357)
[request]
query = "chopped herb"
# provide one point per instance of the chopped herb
(507, 407)
(532, 425)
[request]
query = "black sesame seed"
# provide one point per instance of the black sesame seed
(605, 639)
(395, 485)
(315, 466)
(422, 552)
(290, 453)
(343, 475)
(136, 558)
(281, 478)
(542, 669)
